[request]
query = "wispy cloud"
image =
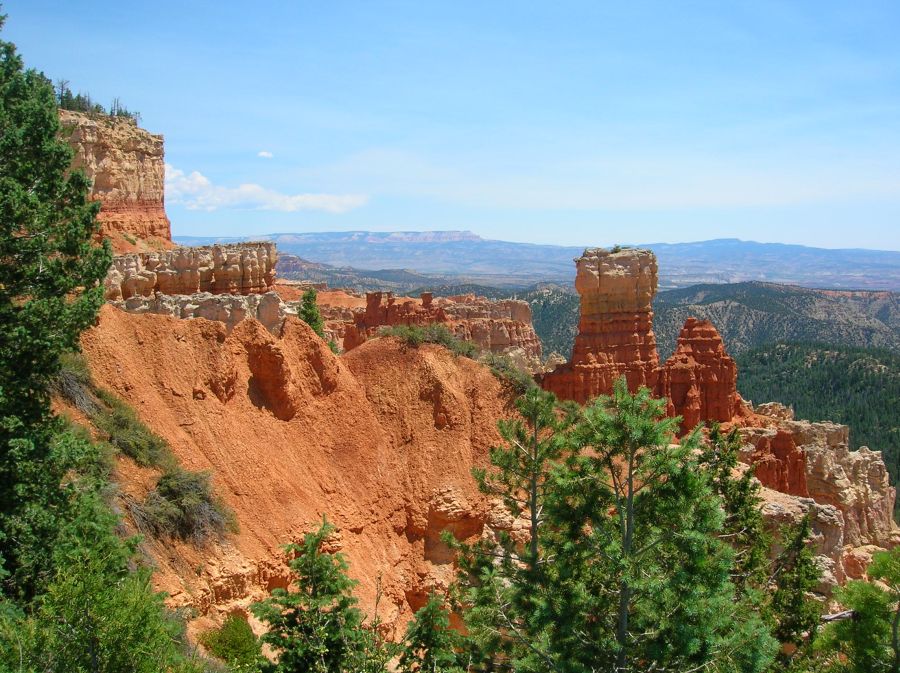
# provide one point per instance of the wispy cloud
(196, 192)
(265, 154)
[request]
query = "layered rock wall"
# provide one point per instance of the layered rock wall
(615, 333)
(241, 268)
(813, 462)
(229, 309)
(494, 326)
(127, 171)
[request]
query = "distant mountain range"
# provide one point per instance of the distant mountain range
(472, 259)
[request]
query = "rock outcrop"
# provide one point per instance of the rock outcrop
(813, 462)
(384, 310)
(127, 170)
(494, 326)
(700, 379)
(240, 268)
(229, 309)
(615, 332)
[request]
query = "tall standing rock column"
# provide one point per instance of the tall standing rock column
(615, 333)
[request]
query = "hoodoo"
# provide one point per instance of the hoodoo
(615, 334)
(126, 167)
(700, 379)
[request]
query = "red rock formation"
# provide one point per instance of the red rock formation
(493, 326)
(700, 379)
(615, 333)
(383, 310)
(127, 170)
(780, 463)
(381, 440)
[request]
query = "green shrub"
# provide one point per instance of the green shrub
(129, 435)
(414, 336)
(503, 367)
(235, 644)
(74, 383)
(184, 506)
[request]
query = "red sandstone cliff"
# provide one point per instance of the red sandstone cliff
(381, 440)
(126, 167)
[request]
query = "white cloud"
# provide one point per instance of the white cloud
(265, 154)
(196, 192)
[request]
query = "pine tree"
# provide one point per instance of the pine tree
(743, 529)
(870, 640)
(317, 628)
(309, 312)
(885, 568)
(429, 645)
(642, 580)
(505, 582)
(861, 644)
(50, 290)
(795, 576)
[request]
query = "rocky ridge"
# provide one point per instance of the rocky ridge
(126, 167)
(240, 268)
(493, 326)
(847, 493)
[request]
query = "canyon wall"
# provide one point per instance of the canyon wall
(615, 332)
(239, 268)
(127, 171)
(381, 440)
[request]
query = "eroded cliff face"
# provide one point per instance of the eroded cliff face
(381, 440)
(813, 462)
(228, 309)
(240, 268)
(502, 326)
(615, 332)
(126, 167)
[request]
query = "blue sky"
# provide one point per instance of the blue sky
(557, 122)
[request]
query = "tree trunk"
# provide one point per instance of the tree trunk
(624, 587)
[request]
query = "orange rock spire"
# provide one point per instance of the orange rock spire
(700, 379)
(615, 333)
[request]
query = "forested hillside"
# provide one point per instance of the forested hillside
(855, 386)
(747, 315)
(753, 314)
